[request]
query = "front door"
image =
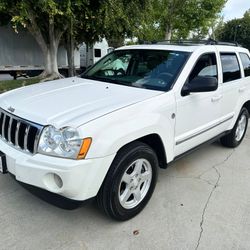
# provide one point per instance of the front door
(198, 114)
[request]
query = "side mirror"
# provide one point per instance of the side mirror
(200, 84)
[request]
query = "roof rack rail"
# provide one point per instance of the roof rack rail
(191, 42)
(229, 44)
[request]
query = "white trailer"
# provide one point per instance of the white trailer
(91, 55)
(21, 55)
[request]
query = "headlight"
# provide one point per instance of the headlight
(64, 142)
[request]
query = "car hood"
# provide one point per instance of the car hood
(71, 101)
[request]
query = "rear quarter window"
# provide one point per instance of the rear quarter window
(230, 67)
(246, 63)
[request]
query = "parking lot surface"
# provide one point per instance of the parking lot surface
(200, 202)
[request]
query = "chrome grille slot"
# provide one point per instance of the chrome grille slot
(32, 139)
(13, 131)
(1, 122)
(6, 126)
(26, 136)
(3, 125)
(18, 132)
(9, 129)
(21, 135)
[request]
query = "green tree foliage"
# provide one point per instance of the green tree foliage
(176, 18)
(48, 20)
(122, 19)
(88, 18)
(72, 22)
(237, 30)
(75, 21)
(84, 25)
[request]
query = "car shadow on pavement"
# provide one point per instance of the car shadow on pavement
(62, 203)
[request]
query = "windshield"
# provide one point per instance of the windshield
(150, 69)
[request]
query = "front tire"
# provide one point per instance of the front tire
(235, 137)
(130, 182)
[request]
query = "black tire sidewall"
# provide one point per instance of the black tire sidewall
(118, 167)
(243, 112)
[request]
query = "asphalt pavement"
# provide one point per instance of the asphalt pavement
(200, 202)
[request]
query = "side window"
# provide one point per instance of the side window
(98, 53)
(230, 67)
(205, 66)
(246, 63)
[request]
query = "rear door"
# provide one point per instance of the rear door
(233, 85)
(245, 59)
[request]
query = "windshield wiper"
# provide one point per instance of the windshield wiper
(88, 77)
(108, 80)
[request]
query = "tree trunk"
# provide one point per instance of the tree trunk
(50, 63)
(70, 57)
(168, 33)
(70, 52)
(49, 48)
(89, 55)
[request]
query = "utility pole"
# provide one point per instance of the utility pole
(236, 30)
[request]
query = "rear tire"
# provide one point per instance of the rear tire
(130, 182)
(237, 134)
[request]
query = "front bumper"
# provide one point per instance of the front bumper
(74, 179)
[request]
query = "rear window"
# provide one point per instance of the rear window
(230, 67)
(246, 63)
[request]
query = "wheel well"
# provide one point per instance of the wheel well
(155, 142)
(247, 106)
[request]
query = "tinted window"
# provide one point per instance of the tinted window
(98, 53)
(150, 69)
(230, 67)
(205, 66)
(246, 63)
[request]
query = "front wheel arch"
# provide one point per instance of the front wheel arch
(247, 106)
(155, 142)
(107, 198)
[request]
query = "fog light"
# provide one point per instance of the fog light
(58, 181)
(53, 182)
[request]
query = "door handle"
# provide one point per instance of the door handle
(216, 98)
(241, 90)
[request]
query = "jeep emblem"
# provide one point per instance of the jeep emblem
(11, 109)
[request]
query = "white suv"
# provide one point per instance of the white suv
(104, 134)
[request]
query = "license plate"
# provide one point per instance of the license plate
(3, 165)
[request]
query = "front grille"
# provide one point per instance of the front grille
(19, 133)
